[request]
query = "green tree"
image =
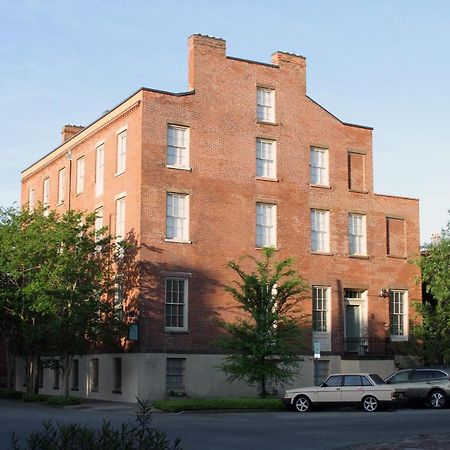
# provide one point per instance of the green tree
(265, 345)
(58, 274)
(434, 331)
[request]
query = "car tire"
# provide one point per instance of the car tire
(370, 403)
(302, 404)
(437, 399)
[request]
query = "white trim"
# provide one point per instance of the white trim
(184, 328)
(122, 129)
(98, 143)
(405, 335)
(122, 194)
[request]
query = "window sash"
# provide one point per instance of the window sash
(265, 225)
(99, 169)
(61, 185)
(357, 234)
(320, 308)
(265, 110)
(121, 152)
(175, 374)
(397, 313)
(80, 176)
(46, 193)
(31, 199)
(265, 158)
(117, 374)
(177, 146)
(120, 218)
(319, 231)
(93, 375)
(75, 375)
(176, 303)
(319, 166)
(176, 216)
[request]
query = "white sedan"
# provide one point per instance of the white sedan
(343, 389)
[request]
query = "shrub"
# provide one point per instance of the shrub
(218, 403)
(10, 393)
(63, 400)
(137, 435)
(34, 397)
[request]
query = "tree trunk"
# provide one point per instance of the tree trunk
(66, 368)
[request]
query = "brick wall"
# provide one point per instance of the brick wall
(220, 111)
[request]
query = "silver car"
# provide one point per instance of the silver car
(343, 389)
(428, 386)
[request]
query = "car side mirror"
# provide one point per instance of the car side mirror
(323, 384)
(388, 381)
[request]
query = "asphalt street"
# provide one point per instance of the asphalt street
(339, 429)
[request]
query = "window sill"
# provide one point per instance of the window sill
(266, 122)
(177, 241)
(321, 253)
(359, 256)
(397, 257)
(176, 331)
(267, 246)
(273, 180)
(74, 389)
(186, 169)
(116, 392)
(320, 186)
(60, 203)
(118, 174)
(358, 191)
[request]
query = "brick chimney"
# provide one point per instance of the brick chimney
(203, 54)
(295, 64)
(69, 131)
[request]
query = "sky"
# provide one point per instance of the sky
(379, 63)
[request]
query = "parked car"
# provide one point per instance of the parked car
(345, 389)
(429, 386)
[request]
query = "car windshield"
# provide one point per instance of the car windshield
(376, 378)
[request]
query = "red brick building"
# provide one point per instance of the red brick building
(243, 159)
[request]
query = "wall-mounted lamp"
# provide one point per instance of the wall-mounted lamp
(384, 293)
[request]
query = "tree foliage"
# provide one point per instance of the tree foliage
(434, 331)
(264, 346)
(56, 286)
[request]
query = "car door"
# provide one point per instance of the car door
(330, 391)
(352, 389)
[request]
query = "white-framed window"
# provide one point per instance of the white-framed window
(178, 146)
(176, 304)
(31, 199)
(398, 312)
(266, 158)
(265, 104)
(357, 238)
(99, 169)
(120, 218)
(319, 166)
(46, 193)
(61, 185)
(175, 375)
(98, 225)
(75, 375)
(177, 217)
(320, 230)
(320, 306)
(121, 152)
(80, 175)
(266, 225)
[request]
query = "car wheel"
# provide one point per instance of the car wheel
(370, 403)
(302, 403)
(437, 399)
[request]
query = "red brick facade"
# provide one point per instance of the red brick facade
(220, 112)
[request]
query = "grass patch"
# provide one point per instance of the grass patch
(34, 398)
(10, 393)
(193, 404)
(62, 400)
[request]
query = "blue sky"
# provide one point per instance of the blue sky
(379, 63)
